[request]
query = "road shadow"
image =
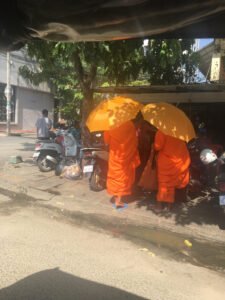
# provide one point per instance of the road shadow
(54, 284)
(203, 209)
(27, 147)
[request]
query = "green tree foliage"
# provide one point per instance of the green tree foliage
(73, 69)
(170, 61)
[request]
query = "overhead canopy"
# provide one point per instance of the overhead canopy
(97, 20)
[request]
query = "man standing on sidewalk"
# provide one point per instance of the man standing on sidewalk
(43, 125)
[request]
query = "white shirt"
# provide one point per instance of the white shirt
(43, 125)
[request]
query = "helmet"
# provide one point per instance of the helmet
(207, 156)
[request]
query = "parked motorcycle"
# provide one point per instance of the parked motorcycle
(50, 153)
(95, 162)
(215, 170)
(46, 154)
(199, 172)
(198, 177)
(207, 170)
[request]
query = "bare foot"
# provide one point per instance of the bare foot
(118, 202)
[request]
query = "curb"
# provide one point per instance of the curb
(53, 201)
(19, 134)
(26, 191)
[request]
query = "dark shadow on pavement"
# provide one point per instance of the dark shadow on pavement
(27, 147)
(54, 284)
(29, 161)
(203, 209)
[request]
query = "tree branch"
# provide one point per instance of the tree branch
(78, 67)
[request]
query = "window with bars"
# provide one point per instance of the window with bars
(3, 103)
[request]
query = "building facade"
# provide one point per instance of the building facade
(27, 100)
(212, 61)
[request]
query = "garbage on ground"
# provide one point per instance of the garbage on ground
(15, 159)
(143, 249)
(188, 243)
(148, 251)
(72, 172)
(185, 252)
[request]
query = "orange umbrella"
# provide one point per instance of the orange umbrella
(170, 120)
(112, 113)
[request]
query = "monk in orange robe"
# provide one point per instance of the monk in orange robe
(123, 160)
(173, 163)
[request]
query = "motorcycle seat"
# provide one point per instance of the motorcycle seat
(44, 140)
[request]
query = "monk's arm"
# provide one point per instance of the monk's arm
(159, 142)
(106, 138)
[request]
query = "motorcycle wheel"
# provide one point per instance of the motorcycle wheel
(45, 165)
(96, 183)
(59, 169)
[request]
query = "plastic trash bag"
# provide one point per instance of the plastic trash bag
(72, 172)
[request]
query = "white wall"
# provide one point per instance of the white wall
(30, 104)
(30, 100)
(19, 59)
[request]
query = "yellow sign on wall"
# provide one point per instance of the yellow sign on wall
(215, 67)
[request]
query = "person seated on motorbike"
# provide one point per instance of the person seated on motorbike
(76, 131)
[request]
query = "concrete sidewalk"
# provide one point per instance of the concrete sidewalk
(201, 218)
(19, 133)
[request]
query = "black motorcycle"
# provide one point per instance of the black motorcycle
(95, 162)
(207, 171)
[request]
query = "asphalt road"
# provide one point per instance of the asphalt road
(44, 257)
(16, 145)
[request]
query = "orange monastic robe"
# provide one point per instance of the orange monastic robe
(172, 166)
(123, 159)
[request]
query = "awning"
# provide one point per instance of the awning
(98, 20)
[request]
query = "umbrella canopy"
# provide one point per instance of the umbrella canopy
(170, 120)
(112, 113)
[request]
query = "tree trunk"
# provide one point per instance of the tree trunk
(86, 83)
(87, 106)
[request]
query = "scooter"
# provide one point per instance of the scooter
(216, 178)
(199, 171)
(46, 154)
(208, 172)
(50, 153)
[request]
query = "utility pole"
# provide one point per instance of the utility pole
(8, 94)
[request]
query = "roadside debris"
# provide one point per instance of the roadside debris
(15, 159)
(188, 243)
(148, 251)
(72, 172)
(143, 249)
